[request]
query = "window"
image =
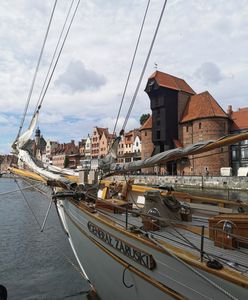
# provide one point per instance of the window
(200, 125)
(234, 154)
(244, 153)
(158, 135)
(187, 128)
(145, 133)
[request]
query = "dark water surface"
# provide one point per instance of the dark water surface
(33, 264)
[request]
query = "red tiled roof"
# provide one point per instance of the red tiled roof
(202, 106)
(147, 124)
(240, 119)
(171, 82)
(100, 130)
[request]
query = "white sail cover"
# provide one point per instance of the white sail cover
(22, 140)
(24, 155)
(173, 154)
(59, 170)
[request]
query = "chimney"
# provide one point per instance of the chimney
(229, 110)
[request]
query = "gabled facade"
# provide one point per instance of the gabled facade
(130, 147)
(81, 147)
(50, 146)
(101, 140)
(137, 144)
(88, 147)
(66, 155)
(95, 141)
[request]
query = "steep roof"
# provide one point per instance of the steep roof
(240, 119)
(102, 130)
(171, 82)
(200, 106)
(147, 124)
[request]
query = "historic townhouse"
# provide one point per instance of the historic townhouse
(50, 146)
(66, 155)
(95, 141)
(88, 147)
(130, 147)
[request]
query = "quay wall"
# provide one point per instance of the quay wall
(209, 182)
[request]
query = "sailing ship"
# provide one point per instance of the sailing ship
(142, 242)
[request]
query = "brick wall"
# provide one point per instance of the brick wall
(204, 130)
(146, 146)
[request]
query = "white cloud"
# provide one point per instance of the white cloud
(98, 53)
(209, 73)
(77, 78)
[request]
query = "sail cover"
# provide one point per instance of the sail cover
(173, 154)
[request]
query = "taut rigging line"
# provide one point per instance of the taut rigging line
(131, 67)
(36, 72)
(40, 101)
(144, 67)
(53, 57)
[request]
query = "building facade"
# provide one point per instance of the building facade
(239, 151)
(181, 118)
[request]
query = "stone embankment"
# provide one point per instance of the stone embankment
(206, 182)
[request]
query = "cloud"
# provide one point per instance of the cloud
(77, 78)
(209, 73)
(207, 47)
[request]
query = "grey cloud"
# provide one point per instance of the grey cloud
(209, 73)
(77, 78)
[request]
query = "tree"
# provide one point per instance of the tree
(66, 161)
(143, 118)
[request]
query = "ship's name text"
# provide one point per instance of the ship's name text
(135, 254)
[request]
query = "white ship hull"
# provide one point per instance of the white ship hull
(98, 246)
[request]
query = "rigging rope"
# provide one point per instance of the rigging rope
(76, 268)
(60, 51)
(131, 67)
(211, 282)
(54, 53)
(36, 72)
(18, 190)
(144, 67)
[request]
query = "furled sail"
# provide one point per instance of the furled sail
(173, 154)
(24, 155)
(23, 139)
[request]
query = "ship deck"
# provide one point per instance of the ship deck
(182, 237)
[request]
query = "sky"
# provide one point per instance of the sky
(203, 42)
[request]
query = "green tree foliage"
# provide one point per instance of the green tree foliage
(66, 161)
(143, 118)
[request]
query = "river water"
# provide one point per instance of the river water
(35, 265)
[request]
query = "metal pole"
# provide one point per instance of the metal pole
(202, 242)
(126, 216)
